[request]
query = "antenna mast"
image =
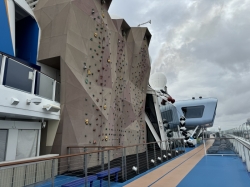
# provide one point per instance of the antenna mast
(144, 23)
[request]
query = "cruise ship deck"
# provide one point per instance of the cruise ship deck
(195, 169)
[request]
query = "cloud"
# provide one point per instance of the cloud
(202, 46)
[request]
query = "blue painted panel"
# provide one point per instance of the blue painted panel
(27, 32)
(221, 171)
(5, 36)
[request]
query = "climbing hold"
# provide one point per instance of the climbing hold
(89, 72)
(109, 60)
(95, 35)
(104, 107)
(86, 121)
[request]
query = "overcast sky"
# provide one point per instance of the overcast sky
(203, 48)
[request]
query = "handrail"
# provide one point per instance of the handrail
(25, 63)
(72, 155)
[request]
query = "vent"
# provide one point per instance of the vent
(32, 3)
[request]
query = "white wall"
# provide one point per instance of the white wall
(23, 110)
(51, 132)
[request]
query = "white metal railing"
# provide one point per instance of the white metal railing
(18, 76)
(242, 147)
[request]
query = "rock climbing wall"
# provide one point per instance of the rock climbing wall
(104, 67)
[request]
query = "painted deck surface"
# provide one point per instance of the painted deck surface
(217, 171)
(173, 172)
(194, 169)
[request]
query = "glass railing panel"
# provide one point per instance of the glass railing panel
(18, 76)
(44, 86)
(57, 94)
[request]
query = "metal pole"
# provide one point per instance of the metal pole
(161, 150)
(86, 167)
(125, 163)
(204, 143)
(68, 159)
(147, 156)
(154, 154)
(137, 159)
(108, 168)
(53, 173)
(102, 160)
(123, 168)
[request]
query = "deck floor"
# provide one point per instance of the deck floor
(173, 172)
(194, 169)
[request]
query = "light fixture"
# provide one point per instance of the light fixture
(164, 156)
(159, 158)
(169, 154)
(134, 168)
(14, 101)
(43, 125)
(36, 101)
(51, 108)
(152, 161)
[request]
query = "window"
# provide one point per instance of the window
(167, 115)
(193, 111)
(3, 143)
(18, 76)
(26, 144)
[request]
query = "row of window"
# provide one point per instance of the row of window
(20, 77)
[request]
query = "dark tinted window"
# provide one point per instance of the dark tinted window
(167, 115)
(18, 76)
(193, 111)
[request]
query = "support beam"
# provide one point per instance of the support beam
(150, 126)
(159, 119)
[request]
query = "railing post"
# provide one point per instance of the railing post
(161, 150)
(125, 162)
(2, 69)
(154, 154)
(54, 91)
(147, 156)
(137, 159)
(102, 159)
(53, 172)
(123, 168)
(68, 159)
(184, 147)
(33, 82)
(108, 168)
(166, 151)
(86, 166)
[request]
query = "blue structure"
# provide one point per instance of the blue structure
(5, 35)
(19, 33)
(198, 112)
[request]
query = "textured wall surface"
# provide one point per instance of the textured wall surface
(104, 68)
